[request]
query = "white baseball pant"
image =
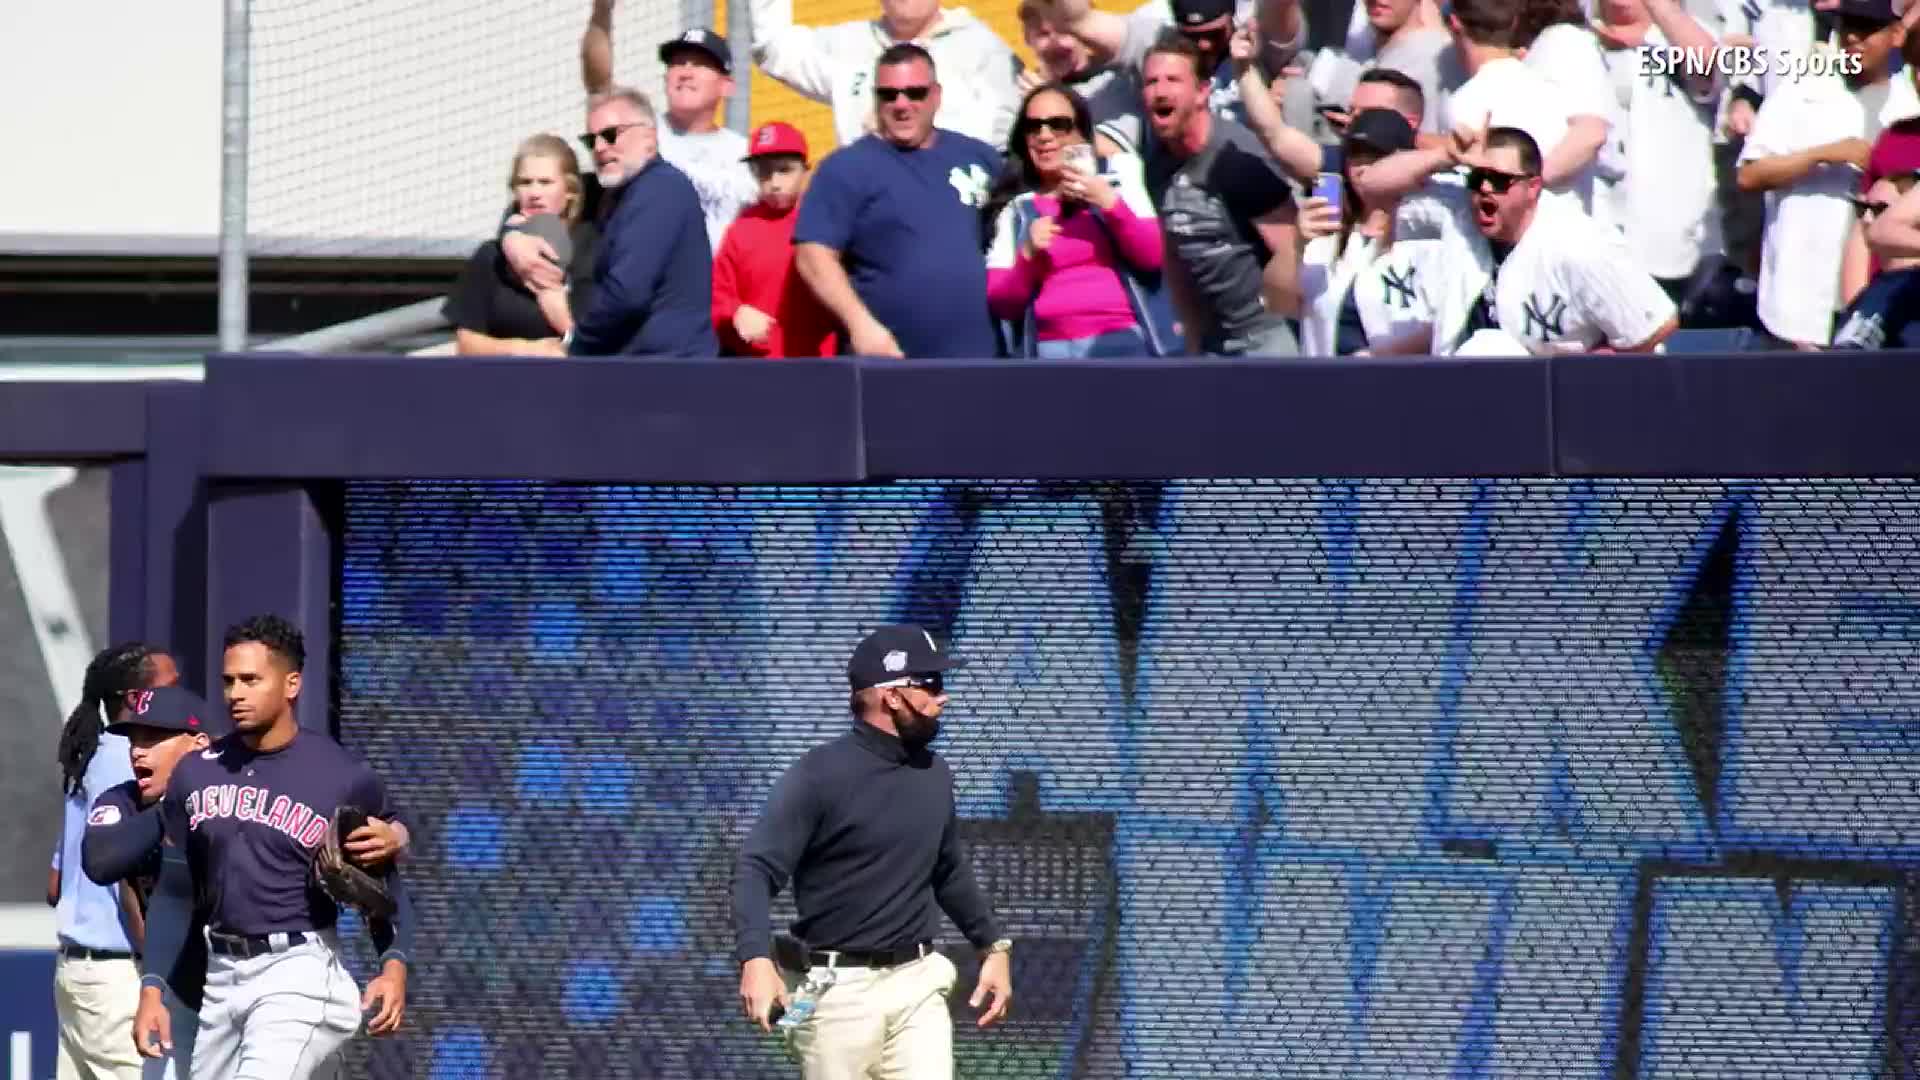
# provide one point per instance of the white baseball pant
(280, 1015)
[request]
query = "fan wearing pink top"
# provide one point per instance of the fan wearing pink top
(1070, 237)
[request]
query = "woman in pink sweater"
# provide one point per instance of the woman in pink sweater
(1069, 235)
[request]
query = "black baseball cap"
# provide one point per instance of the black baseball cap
(1197, 12)
(704, 40)
(1878, 12)
(892, 654)
(169, 708)
(1381, 129)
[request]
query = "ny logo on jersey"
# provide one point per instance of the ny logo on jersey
(971, 183)
(1399, 288)
(1551, 320)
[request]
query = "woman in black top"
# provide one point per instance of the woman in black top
(493, 311)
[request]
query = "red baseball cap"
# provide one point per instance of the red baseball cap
(776, 138)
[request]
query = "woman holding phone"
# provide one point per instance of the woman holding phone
(1362, 293)
(1070, 236)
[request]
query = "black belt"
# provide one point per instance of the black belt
(878, 958)
(81, 952)
(244, 945)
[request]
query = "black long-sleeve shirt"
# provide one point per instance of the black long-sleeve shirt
(864, 827)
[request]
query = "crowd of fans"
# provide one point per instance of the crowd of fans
(1470, 177)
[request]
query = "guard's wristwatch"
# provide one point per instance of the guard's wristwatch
(1004, 945)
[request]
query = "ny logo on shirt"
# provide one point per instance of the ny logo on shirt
(1399, 287)
(971, 183)
(258, 805)
(1551, 319)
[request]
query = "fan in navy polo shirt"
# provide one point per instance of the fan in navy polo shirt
(889, 233)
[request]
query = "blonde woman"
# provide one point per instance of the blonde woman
(494, 311)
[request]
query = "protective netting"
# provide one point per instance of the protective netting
(386, 129)
(1269, 779)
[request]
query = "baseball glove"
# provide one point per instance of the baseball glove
(347, 883)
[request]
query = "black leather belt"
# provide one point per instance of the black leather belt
(243, 945)
(81, 952)
(877, 958)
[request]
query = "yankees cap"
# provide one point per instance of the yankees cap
(1196, 12)
(1381, 129)
(1877, 12)
(892, 654)
(703, 39)
(169, 708)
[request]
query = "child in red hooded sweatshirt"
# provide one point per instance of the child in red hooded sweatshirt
(760, 305)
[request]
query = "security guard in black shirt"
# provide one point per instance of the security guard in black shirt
(864, 827)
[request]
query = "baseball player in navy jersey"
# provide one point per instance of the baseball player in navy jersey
(241, 821)
(122, 841)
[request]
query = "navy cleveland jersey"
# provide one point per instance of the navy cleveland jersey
(250, 823)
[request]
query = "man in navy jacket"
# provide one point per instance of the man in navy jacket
(653, 281)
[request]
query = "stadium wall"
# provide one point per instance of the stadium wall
(1328, 719)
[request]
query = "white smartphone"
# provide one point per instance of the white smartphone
(1080, 156)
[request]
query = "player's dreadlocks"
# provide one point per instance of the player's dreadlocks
(113, 672)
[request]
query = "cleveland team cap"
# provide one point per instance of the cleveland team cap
(169, 708)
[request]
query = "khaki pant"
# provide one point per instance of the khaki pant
(95, 1000)
(881, 1024)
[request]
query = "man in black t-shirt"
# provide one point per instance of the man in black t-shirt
(1227, 215)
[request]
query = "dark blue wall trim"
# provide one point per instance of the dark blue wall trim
(72, 420)
(1821, 414)
(716, 421)
(1206, 418)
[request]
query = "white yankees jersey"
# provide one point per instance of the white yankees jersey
(1387, 290)
(1808, 222)
(1658, 189)
(1565, 288)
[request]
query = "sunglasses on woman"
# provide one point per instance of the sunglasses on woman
(1059, 125)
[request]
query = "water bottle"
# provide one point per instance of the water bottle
(805, 1000)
